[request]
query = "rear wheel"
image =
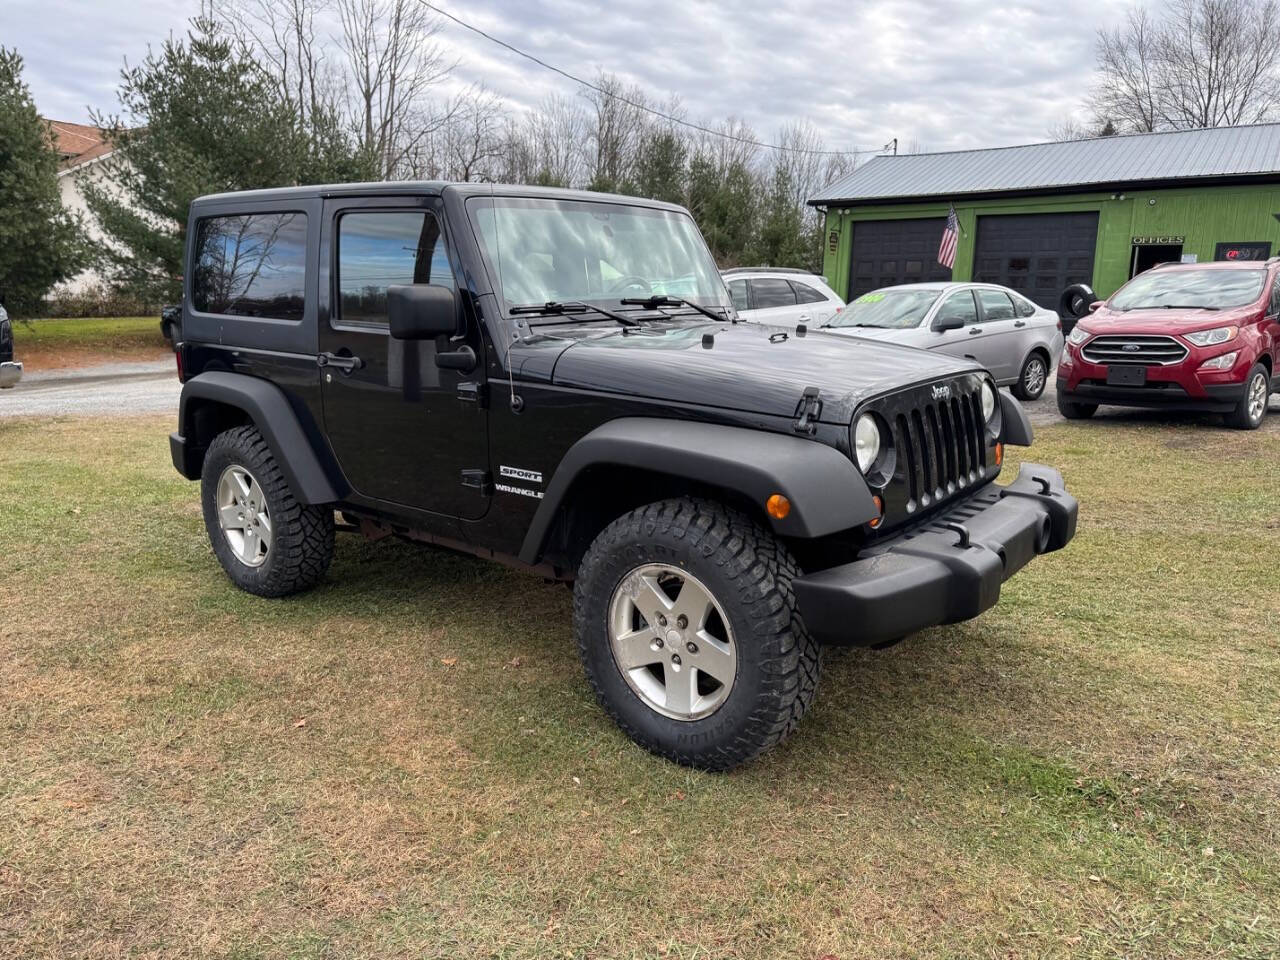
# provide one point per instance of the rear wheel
(268, 543)
(1033, 378)
(688, 631)
(1076, 411)
(1252, 407)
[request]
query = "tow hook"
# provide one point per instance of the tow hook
(962, 530)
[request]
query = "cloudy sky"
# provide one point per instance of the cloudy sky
(937, 75)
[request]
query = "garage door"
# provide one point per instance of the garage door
(886, 252)
(1038, 254)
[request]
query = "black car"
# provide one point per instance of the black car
(558, 380)
(10, 369)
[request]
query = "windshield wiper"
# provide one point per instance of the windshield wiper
(662, 300)
(1186, 306)
(563, 307)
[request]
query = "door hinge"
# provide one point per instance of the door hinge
(808, 410)
(471, 392)
(481, 480)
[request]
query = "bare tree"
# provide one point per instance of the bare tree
(556, 132)
(394, 62)
(283, 35)
(619, 119)
(1207, 63)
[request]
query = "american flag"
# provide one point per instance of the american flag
(950, 238)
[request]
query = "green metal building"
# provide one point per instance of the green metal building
(1041, 217)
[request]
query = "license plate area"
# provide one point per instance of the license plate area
(1126, 376)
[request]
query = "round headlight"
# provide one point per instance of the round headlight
(988, 401)
(866, 441)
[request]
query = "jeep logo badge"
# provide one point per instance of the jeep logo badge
(942, 392)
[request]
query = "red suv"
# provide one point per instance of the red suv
(1203, 336)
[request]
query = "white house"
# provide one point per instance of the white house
(81, 152)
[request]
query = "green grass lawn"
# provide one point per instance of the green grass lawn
(408, 760)
(48, 344)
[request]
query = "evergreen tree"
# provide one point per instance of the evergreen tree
(660, 168)
(724, 206)
(202, 117)
(781, 241)
(40, 244)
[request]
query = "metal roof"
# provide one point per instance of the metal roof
(1225, 153)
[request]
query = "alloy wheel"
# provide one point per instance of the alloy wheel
(243, 515)
(672, 642)
(1257, 397)
(1033, 379)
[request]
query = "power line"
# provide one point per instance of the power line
(639, 106)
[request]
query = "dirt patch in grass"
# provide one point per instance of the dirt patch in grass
(408, 762)
(65, 344)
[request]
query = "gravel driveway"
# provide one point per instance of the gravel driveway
(109, 390)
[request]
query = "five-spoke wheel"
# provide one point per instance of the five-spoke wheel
(672, 642)
(243, 515)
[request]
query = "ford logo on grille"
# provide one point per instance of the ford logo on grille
(1131, 348)
(942, 392)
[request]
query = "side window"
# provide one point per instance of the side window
(771, 292)
(377, 249)
(806, 293)
(252, 265)
(1275, 296)
(960, 305)
(996, 305)
(1024, 307)
(738, 290)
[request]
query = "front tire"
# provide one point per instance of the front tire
(687, 627)
(1076, 411)
(1252, 408)
(268, 543)
(1033, 378)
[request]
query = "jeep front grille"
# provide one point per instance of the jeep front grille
(1145, 350)
(940, 448)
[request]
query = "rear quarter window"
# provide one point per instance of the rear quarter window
(251, 265)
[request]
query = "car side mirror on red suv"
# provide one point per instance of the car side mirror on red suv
(421, 311)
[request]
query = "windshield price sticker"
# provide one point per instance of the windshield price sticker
(870, 298)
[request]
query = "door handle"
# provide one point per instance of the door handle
(345, 364)
(1019, 323)
(974, 330)
(804, 318)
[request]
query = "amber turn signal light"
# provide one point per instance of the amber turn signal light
(879, 502)
(999, 454)
(778, 506)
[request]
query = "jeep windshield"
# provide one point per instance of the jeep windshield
(887, 309)
(1190, 289)
(573, 251)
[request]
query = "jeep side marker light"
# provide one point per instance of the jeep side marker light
(778, 506)
(879, 502)
(999, 454)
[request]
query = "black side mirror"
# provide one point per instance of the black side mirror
(948, 323)
(421, 311)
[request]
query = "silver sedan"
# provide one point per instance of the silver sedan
(1016, 340)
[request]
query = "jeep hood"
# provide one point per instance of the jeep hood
(747, 367)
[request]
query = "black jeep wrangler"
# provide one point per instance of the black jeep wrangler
(558, 379)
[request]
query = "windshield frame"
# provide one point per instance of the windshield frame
(477, 205)
(938, 294)
(1177, 300)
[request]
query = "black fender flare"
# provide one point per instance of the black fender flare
(1015, 428)
(267, 406)
(826, 491)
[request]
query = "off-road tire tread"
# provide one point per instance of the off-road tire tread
(763, 569)
(302, 534)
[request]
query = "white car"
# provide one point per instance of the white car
(782, 297)
(1016, 340)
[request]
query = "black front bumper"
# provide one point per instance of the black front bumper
(1163, 395)
(946, 570)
